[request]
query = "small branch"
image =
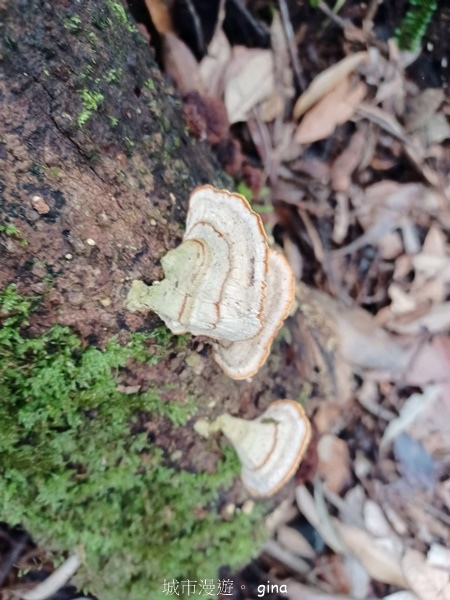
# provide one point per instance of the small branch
(289, 31)
(54, 582)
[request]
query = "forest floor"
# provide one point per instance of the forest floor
(342, 143)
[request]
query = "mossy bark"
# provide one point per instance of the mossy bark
(95, 172)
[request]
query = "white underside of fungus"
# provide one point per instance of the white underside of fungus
(270, 447)
(222, 282)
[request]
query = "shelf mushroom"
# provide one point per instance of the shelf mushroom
(223, 282)
(270, 447)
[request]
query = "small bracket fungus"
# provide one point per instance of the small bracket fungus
(223, 282)
(270, 447)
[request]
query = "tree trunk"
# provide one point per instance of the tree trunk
(97, 405)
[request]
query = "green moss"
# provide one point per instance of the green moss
(91, 101)
(78, 470)
(120, 14)
(14, 232)
(73, 24)
(113, 75)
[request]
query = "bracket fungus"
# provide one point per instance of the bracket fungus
(270, 447)
(223, 282)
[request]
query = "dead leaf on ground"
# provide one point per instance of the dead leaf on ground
(274, 105)
(213, 65)
(346, 163)
(321, 521)
(334, 462)
(337, 107)
(422, 107)
(327, 81)
(439, 556)
(415, 465)
(412, 409)
(295, 563)
(294, 541)
(428, 583)
(181, 65)
(317, 349)
(381, 564)
(248, 79)
(160, 15)
(434, 320)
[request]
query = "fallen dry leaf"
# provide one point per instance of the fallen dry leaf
(439, 556)
(410, 411)
(248, 79)
(346, 163)
(428, 583)
(416, 466)
(422, 107)
(334, 462)
(337, 107)
(434, 320)
(341, 218)
(160, 15)
(213, 65)
(381, 564)
(293, 540)
(181, 65)
(322, 522)
(295, 563)
(327, 81)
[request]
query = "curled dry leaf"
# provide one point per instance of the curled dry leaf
(337, 107)
(248, 79)
(327, 81)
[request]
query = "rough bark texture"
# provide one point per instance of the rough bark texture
(95, 172)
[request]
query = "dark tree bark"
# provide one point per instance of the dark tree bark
(95, 172)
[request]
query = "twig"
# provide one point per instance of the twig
(371, 11)
(289, 31)
(54, 582)
(343, 23)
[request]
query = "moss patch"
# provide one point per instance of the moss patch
(79, 471)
